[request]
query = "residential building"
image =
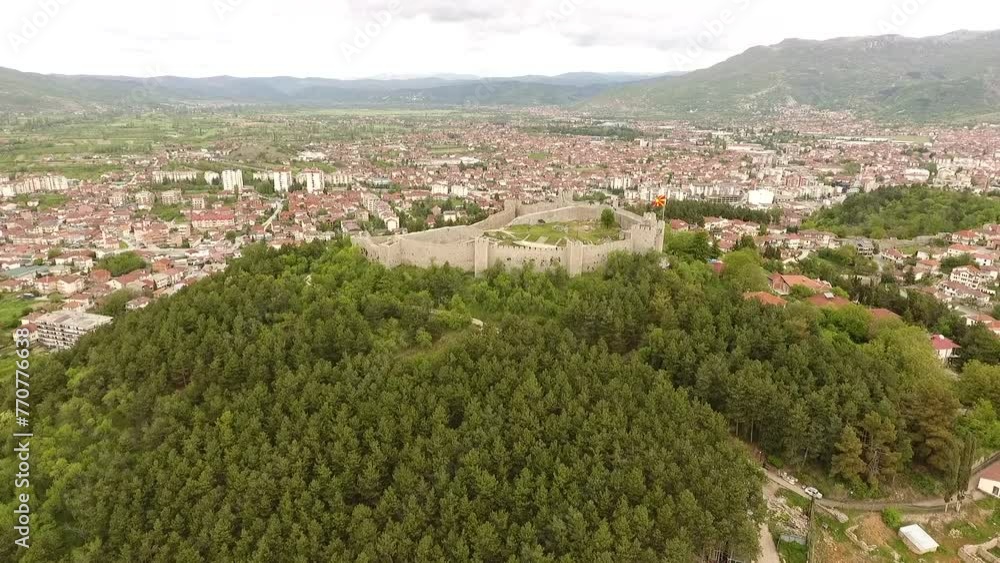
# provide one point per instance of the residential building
(313, 179)
(782, 284)
(943, 347)
(828, 301)
(282, 180)
(170, 197)
(232, 180)
(162, 176)
(765, 298)
(145, 199)
(63, 329)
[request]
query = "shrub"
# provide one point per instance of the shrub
(892, 518)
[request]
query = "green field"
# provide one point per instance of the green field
(11, 311)
(590, 232)
(45, 201)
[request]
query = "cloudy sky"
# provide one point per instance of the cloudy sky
(361, 38)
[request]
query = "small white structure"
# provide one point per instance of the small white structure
(989, 481)
(917, 539)
(760, 198)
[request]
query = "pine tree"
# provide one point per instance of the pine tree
(847, 462)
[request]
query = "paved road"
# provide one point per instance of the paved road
(923, 505)
(768, 553)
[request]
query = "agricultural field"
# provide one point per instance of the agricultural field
(85, 147)
(557, 234)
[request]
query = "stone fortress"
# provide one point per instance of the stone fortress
(469, 248)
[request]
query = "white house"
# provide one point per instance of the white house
(989, 481)
(943, 347)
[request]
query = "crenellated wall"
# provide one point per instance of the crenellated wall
(469, 249)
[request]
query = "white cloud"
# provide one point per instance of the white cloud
(488, 37)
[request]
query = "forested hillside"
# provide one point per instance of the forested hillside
(307, 405)
(907, 212)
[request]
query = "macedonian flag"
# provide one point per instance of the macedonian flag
(660, 201)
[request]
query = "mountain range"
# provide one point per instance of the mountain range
(21, 91)
(950, 77)
(953, 76)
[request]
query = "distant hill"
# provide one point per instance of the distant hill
(954, 76)
(20, 91)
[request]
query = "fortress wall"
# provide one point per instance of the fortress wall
(445, 234)
(628, 219)
(499, 219)
(596, 256)
(386, 253)
(425, 254)
(528, 209)
(511, 256)
(645, 238)
(564, 200)
(563, 214)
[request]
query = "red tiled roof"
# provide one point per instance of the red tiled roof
(940, 342)
(828, 300)
(765, 298)
(883, 314)
(992, 472)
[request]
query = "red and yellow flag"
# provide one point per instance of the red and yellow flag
(660, 201)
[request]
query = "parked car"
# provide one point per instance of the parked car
(813, 492)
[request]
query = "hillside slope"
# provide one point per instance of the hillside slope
(955, 76)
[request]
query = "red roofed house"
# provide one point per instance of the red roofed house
(828, 301)
(100, 276)
(765, 298)
(944, 347)
(884, 315)
(782, 284)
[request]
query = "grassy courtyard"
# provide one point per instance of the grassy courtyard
(557, 234)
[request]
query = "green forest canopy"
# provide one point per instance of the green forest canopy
(258, 417)
(907, 212)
